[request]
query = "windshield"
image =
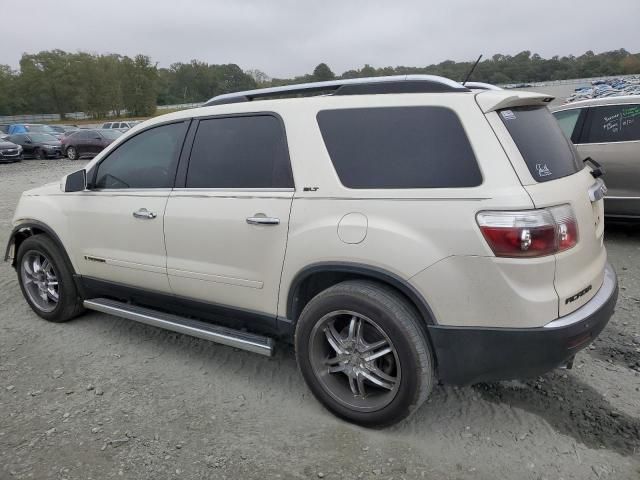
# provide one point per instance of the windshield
(545, 148)
(42, 137)
(110, 134)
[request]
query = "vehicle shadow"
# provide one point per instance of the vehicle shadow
(568, 405)
(571, 408)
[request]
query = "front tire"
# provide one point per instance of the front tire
(72, 153)
(40, 155)
(363, 353)
(46, 280)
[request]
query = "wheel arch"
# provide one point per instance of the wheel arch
(26, 229)
(314, 278)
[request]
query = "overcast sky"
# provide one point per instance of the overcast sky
(285, 38)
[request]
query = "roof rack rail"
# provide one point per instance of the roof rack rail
(481, 86)
(353, 86)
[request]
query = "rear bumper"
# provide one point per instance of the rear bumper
(469, 355)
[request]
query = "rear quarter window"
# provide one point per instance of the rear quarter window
(614, 123)
(399, 147)
(546, 150)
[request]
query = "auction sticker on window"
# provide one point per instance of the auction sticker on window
(508, 114)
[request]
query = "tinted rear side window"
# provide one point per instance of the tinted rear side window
(399, 147)
(615, 123)
(240, 152)
(568, 119)
(548, 153)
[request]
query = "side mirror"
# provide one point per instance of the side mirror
(27, 141)
(75, 182)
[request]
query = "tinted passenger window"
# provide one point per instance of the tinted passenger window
(399, 147)
(567, 120)
(147, 160)
(548, 153)
(240, 152)
(615, 123)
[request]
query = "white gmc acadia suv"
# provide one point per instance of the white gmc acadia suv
(397, 230)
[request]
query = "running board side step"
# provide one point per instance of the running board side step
(195, 328)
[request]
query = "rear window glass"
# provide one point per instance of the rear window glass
(614, 123)
(399, 147)
(548, 153)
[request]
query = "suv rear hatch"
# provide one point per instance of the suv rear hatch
(551, 172)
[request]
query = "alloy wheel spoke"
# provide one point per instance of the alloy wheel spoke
(360, 383)
(356, 383)
(37, 266)
(334, 339)
(379, 378)
(378, 354)
(374, 346)
(52, 294)
(334, 360)
(337, 368)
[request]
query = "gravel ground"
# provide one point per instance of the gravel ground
(101, 397)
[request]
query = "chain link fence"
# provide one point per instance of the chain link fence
(69, 117)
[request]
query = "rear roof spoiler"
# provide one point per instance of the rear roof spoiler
(492, 100)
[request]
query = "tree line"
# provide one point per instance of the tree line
(61, 82)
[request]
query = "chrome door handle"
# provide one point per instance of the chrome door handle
(262, 220)
(145, 214)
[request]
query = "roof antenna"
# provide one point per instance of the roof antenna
(471, 71)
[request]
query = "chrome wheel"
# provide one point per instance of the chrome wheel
(40, 281)
(72, 154)
(355, 361)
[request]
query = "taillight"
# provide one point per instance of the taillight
(529, 233)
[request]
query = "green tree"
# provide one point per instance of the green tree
(322, 73)
(139, 85)
(49, 80)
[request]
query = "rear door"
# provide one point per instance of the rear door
(611, 136)
(553, 174)
(226, 225)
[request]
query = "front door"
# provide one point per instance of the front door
(226, 226)
(118, 220)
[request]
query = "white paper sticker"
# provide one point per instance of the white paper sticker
(508, 115)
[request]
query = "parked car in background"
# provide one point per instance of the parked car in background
(10, 152)
(33, 128)
(608, 131)
(119, 125)
(62, 129)
(37, 145)
(4, 128)
(87, 142)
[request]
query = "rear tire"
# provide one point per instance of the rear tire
(363, 353)
(72, 153)
(46, 280)
(40, 155)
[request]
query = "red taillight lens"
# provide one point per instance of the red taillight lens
(529, 233)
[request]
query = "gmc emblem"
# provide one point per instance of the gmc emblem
(573, 298)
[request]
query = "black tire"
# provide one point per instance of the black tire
(72, 153)
(398, 322)
(69, 304)
(39, 154)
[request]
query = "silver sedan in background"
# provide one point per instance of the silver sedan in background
(608, 131)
